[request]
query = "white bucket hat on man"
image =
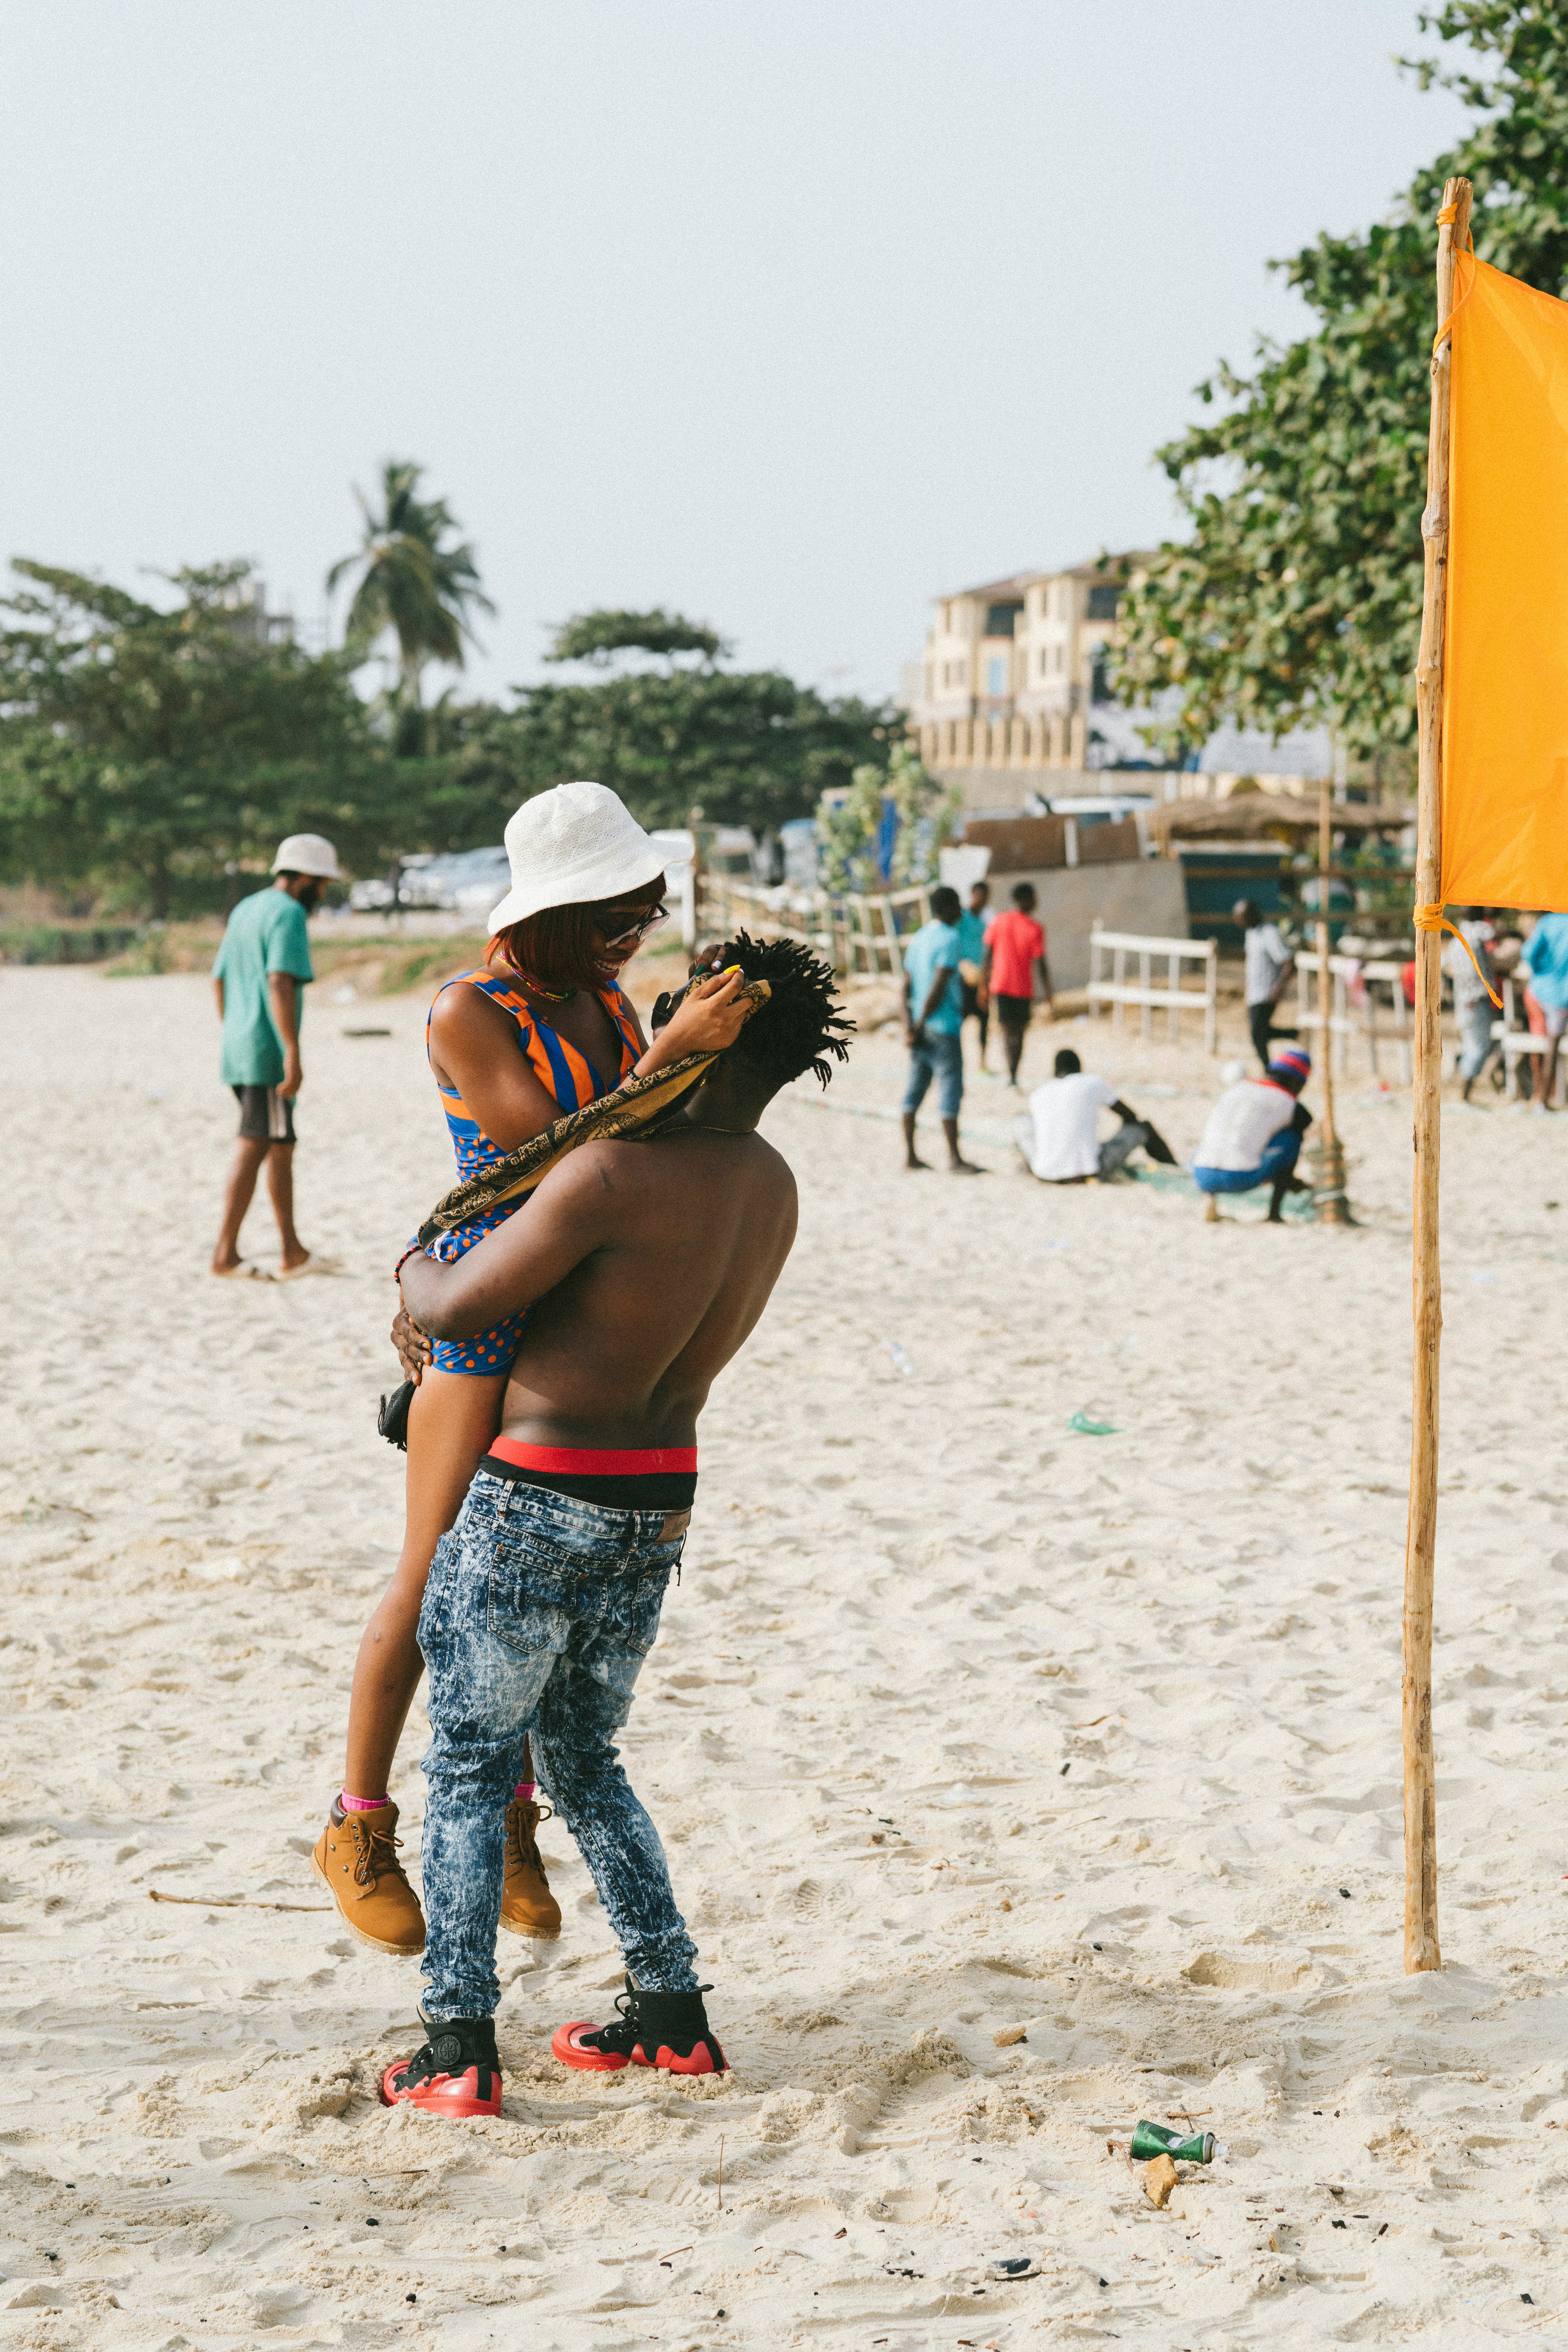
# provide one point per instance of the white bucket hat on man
(575, 843)
(308, 853)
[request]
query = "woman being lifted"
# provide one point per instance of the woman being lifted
(542, 1029)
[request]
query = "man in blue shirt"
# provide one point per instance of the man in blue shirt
(1544, 961)
(262, 966)
(933, 1018)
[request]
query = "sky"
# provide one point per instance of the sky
(787, 318)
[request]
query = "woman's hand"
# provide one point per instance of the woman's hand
(414, 1349)
(710, 1016)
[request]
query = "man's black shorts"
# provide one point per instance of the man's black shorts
(1011, 1012)
(266, 1115)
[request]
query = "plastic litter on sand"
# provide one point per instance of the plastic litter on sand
(1081, 1423)
(900, 1362)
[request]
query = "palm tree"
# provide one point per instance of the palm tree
(411, 581)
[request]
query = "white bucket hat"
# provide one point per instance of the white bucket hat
(308, 853)
(567, 846)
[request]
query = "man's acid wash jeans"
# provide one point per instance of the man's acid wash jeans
(538, 1614)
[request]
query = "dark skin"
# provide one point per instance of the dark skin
(283, 994)
(1040, 977)
(914, 1029)
(454, 1417)
(647, 1264)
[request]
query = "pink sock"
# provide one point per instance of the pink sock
(359, 1804)
(523, 1792)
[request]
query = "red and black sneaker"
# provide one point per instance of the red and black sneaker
(455, 2074)
(668, 2029)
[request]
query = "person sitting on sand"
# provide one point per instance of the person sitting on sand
(933, 1026)
(1254, 1134)
(1059, 1135)
(643, 1265)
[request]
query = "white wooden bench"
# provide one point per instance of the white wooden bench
(1120, 992)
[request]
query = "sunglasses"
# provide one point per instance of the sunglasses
(638, 932)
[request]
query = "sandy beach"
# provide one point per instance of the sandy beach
(960, 1723)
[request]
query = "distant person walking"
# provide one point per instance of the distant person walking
(262, 965)
(933, 1019)
(972, 925)
(1545, 958)
(1473, 1007)
(1014, 967)
(1059, 1134)
(1254, 1135)
(1270, 967)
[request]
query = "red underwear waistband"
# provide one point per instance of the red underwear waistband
(596, 1461)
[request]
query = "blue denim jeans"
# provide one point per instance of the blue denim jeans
(1279, 1156)
(538, 1614)
(936, 1057)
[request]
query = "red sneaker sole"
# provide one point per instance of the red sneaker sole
(446, 2095)
(566, 2046)
(707, 2058)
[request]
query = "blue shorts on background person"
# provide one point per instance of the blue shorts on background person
(935, 1056)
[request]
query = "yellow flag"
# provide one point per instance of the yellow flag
(1505, 698)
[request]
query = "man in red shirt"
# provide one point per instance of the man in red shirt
(1015, 962)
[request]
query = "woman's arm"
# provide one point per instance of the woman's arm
(473, 1045)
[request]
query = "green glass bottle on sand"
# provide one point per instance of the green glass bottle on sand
(1151, 2140)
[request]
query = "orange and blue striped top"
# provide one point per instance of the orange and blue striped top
(560, 1068)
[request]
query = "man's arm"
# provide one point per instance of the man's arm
(1043, 976)
(520, 1260)
(283, 991)
(934, 996)
(217, 991)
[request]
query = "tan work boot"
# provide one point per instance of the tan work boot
(357, 1861)
(527, 1905)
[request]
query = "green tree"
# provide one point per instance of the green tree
(599, 637)
(416, 582)
(141, 741)
(748, 747)
(852, 829)
(1296, 598)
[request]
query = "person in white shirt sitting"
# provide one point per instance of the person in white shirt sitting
(1254, 1134)
(1059, 1134)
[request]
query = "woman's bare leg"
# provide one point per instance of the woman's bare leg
(451, 1422)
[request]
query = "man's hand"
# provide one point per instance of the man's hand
(413, 1349)
(294, 1077)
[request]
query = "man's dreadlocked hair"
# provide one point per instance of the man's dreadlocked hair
(802, 1023)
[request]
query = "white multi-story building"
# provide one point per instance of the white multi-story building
(1012, 668)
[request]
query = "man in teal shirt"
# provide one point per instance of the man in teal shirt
(262, 965)
(934, 1017)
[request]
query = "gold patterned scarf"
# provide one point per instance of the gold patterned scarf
(638, 1108)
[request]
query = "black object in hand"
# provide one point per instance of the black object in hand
(392, 1421)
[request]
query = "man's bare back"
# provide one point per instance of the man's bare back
(650, 1263)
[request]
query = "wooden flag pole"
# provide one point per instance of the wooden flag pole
(1421, 1946)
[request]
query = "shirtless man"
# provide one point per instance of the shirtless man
(645, 1264)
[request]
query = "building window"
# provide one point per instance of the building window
(1000, 619)
(996, 674)
(1099, 679)
(1103, 604)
